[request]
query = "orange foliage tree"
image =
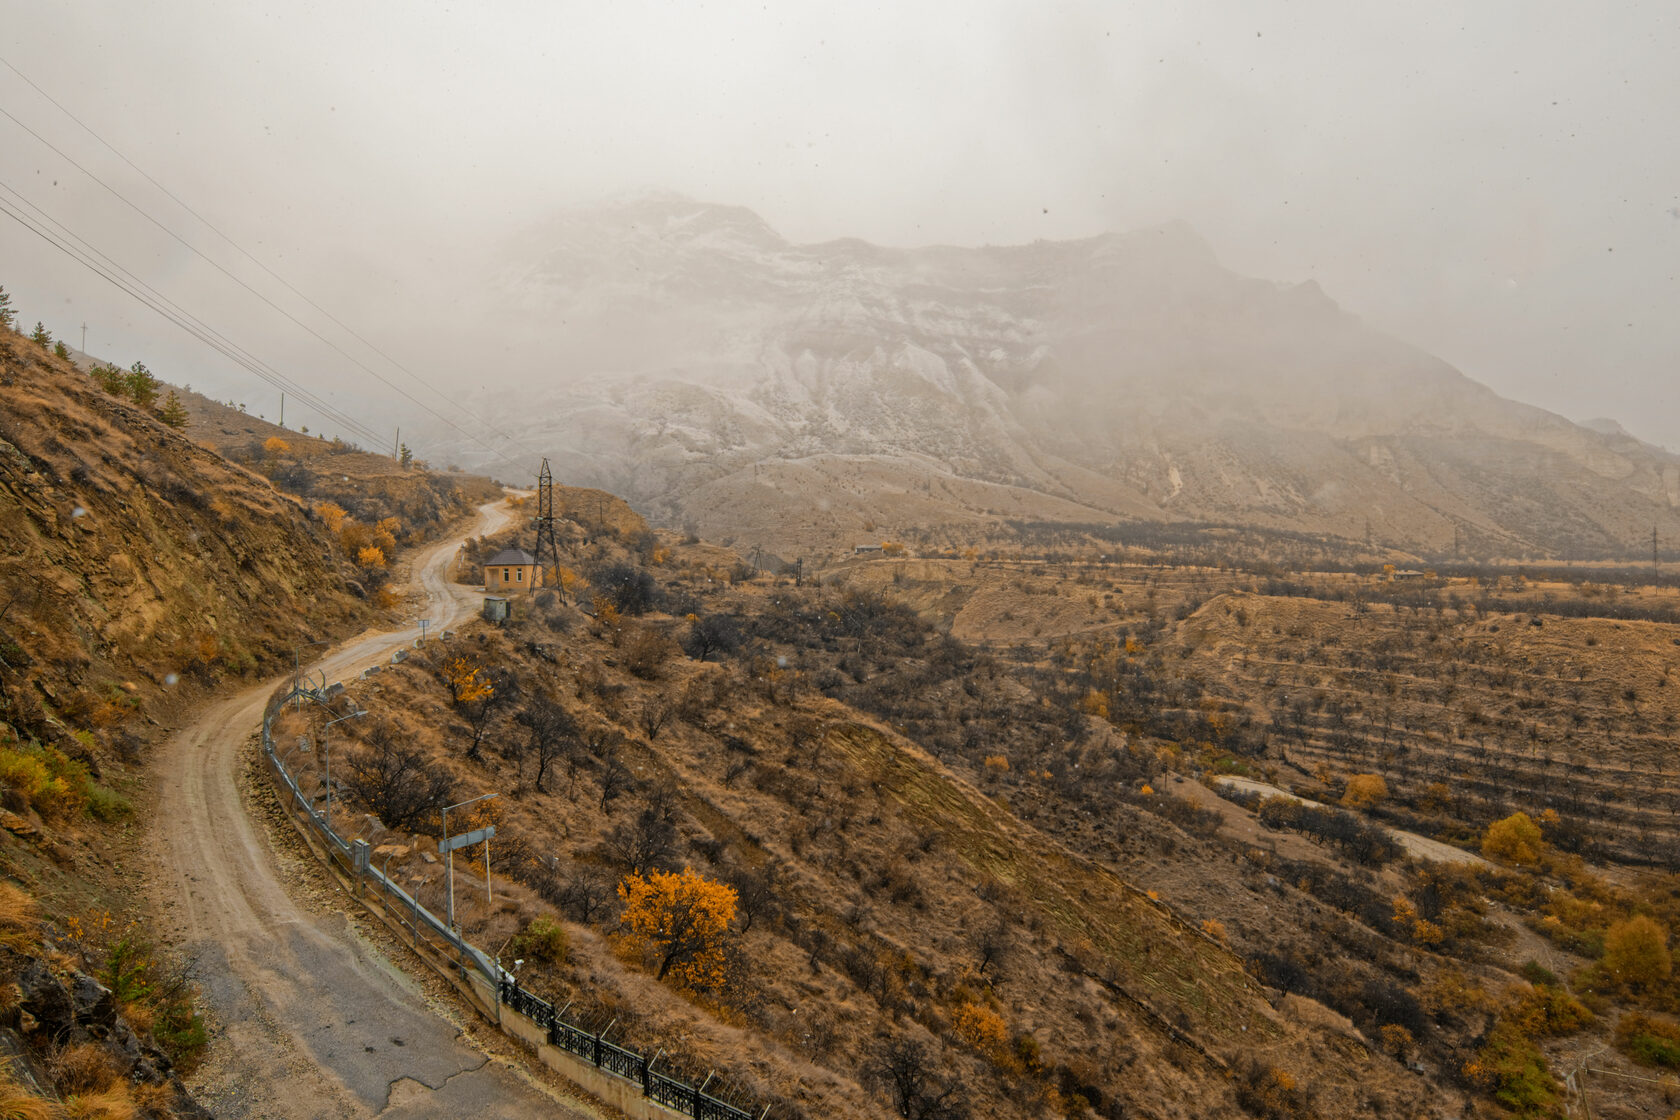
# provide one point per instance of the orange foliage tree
(1636, 952)
(1516, 839)
(275, 447)
(353, 536)
(1364, 791)
(385, 535)
(684, 919)
(467, 683)
(981, 1028)
(332, 515)
(371, 557)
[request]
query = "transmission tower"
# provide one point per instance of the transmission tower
(548, 550)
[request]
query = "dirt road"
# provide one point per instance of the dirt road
(1423, 847)
(310, 1020)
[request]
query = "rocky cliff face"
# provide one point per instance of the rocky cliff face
(718, 371)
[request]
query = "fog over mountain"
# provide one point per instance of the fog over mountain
(788, 394)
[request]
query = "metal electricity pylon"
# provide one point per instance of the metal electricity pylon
(548, 548)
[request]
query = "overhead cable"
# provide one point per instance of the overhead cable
(259, 295)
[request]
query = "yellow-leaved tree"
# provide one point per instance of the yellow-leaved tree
(385, 535)
(371, 557)
(274, 447)
(683, 918)
(1636, 952)
(1516, 839)
(467, 684)
(1364, 791)
(332, 515)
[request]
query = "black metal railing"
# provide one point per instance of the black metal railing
(679, 1096)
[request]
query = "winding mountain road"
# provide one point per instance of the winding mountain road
(310, 1019)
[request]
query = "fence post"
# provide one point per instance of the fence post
(600, 1036)
(647, 1072)
(557, 1022)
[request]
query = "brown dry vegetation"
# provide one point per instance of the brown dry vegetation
(368, 485)
(132, 553)
(1472, 698)
(889, 895)
(1031, 762)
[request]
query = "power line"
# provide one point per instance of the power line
(346, 328)
(186, 323)
(259, 295)
(177, 313)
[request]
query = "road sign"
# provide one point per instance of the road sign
(466, 839)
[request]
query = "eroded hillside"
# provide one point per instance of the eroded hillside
(887, 897)
(136, 558)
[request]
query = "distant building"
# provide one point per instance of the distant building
(512, 570)
(866, 548)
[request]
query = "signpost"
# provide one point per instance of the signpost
(447, 847)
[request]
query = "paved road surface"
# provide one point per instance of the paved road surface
(313, 1021)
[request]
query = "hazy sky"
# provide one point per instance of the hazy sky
(1497, 182)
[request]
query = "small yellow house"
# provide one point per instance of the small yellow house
(511, 571)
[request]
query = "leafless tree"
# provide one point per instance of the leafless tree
(644, 843)
(551, 734)
(397, 783)
(654, 714)
(586, 896)
(615, 779)
(755, 891)
(903, 1068)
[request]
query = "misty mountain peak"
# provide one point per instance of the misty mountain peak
(1127, 374)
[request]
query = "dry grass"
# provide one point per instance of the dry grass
(17, 909)
(85, 1067)
(154, 1100)
(113, 1104)
(17, 1103)
(20, 917)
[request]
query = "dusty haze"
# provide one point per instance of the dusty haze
(1496, 185)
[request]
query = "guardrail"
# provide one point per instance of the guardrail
(425, 927)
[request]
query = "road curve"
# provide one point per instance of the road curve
(311, 1021)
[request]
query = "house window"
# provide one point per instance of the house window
(520, 575)
(504, 575)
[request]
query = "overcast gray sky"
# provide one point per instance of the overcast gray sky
(1496, 181)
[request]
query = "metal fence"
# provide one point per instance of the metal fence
(678, 1096)
(426, 928)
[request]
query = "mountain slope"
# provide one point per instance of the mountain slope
(1122, 376)
(133, 552)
